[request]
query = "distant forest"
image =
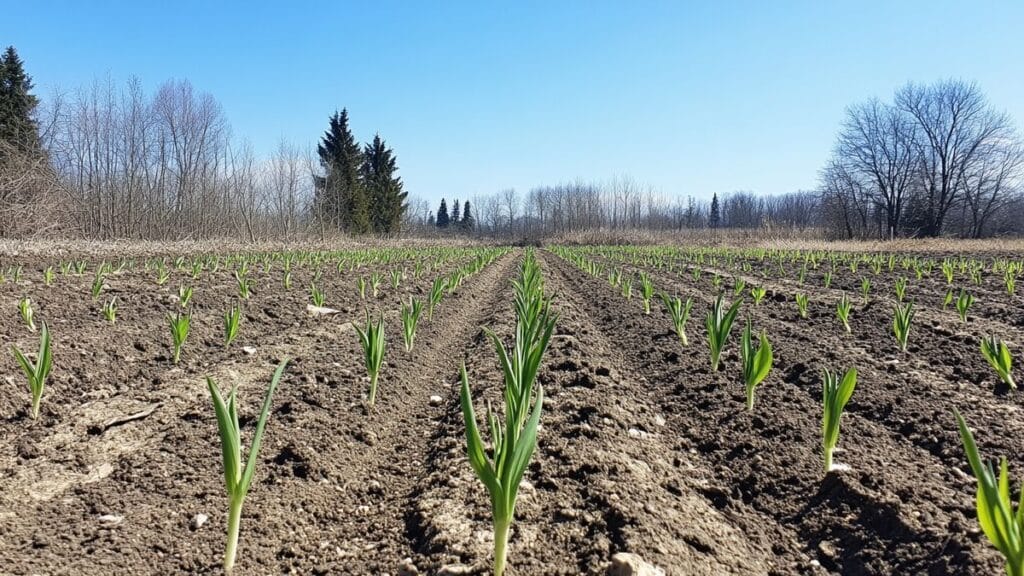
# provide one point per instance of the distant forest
(108, 161)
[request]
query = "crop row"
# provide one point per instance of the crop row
(512, 444)
(1002, 523)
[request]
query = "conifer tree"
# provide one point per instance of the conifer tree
(442, 215)
(455, 219)
(714, 217)
(18, 127)
(383, 187)
(467, 222)
(341, 198)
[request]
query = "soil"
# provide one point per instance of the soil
(642, 448)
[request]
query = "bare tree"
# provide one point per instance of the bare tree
(877, 145)
(510, 208)
(954, 122)
(991, 183)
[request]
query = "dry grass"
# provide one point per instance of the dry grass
(144, 248)
(790, 240)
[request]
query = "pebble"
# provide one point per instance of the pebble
(454, 570)
(634, 433)
(111, 519)
(628, 564)
(249, 350)
(659, 420)
(198, 521)
(408, 568)
(435, 400)
(826, 549)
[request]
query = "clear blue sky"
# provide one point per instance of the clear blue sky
(691, 97)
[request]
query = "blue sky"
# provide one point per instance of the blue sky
(689, 97)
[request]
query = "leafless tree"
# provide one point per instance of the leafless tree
(954, 125)
(877, 144)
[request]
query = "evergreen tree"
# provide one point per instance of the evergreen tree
(442, 215)
(455, 214)
(467, 222)
(18, 127)
(341, 198)
(714, 217)
(384, 188)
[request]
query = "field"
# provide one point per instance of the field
(642, 447)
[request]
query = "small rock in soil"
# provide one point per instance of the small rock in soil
(634, 433)
(198, 521)
(454, 570)
(435, 400)
(408, 568)
(249, 350)
(827, 549)
(627, 564)
(111, 519)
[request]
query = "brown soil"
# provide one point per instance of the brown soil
(642, 448)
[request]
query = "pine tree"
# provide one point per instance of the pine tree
(18, 127)
(442, 215)
(384, 188)
(341, 198)
(454, 222)
(467, 222)
(714, 217)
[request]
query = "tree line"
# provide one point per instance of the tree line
(619, 204)
(107, 161)
(113, 161)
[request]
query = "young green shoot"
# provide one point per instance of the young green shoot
(719, 323)
(375, 281)
(739, 286)
(998, 355)
(1003, 527)
(410, 318)
(903, 314)
(109, 310)
(646, 291)
(372, 340)
(232, 318)
(758, 293)
(317, 295)
(179, 324)
(184, 295)
(801, 304)
(680, 314)
(963, 304)
(97, 283)
(901, 289)
(436, 293)
(244, 285)
(756, 363)
(27, 313)
(843, 312)
(37, 372)
(836, 393)
(236, 478)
